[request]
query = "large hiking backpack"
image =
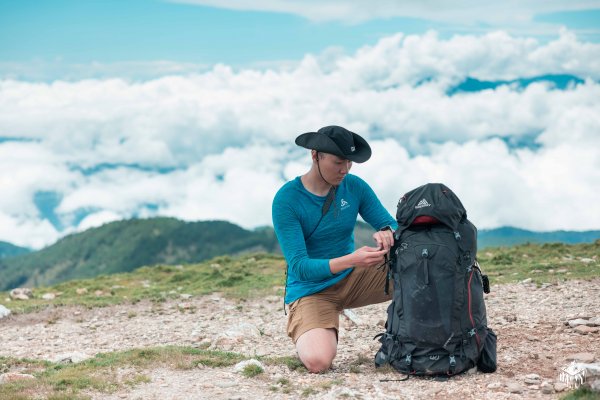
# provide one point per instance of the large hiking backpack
(436, 322)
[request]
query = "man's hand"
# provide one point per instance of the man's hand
(384, 239)
(368, 256)
(364, 257)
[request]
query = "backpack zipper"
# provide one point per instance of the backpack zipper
(425, 255)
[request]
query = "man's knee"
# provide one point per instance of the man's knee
(316, 363)
(317, 349)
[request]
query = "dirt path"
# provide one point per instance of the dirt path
(529, 322)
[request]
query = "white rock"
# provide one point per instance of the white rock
(225, 384)
(21, 294)
(591, 370)
(514, 387)
(243, 330)
(495, 385)
(532, 379)
(69, 358)
(547, 388)
(560, 386)
(352, 317)
(584, 329)
(582, 357)
(582, 322)
(49, 296)
(239, 367)
(4, 312)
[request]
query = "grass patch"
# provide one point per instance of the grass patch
(582, 393)
(293, 363)
(326, 385)
(261, 274)
(543, 263)
(98, 374)
(355, 366)
(283, 381)
(250, 371)
(386, 369)
(235, 277)
(309, 391)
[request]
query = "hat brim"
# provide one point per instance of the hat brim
(323, 143)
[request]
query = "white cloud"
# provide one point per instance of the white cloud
(541, 190)
(217, 145)
(27, 231)
(98, 219)
(41, 70)
(469, 12)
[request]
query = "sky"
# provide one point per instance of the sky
(189, 108)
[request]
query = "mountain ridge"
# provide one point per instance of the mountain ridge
(10, 250)
(123, 246)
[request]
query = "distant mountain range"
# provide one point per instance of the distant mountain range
(10, 250)
(508, 236)
(123, 246)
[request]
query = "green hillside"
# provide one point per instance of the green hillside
(126, 245)
(262, 274)
(10, 250)
(509, 236)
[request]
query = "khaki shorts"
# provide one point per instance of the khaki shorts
(363, 286)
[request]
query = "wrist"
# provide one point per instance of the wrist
(340, 264)
(387, 228)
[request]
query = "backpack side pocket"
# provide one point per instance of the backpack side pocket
(488, 362)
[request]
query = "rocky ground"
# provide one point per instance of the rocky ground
(534, 343)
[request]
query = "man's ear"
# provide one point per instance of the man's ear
(315, 155)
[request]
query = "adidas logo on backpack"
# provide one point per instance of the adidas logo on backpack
(437, 322)
(422, 203)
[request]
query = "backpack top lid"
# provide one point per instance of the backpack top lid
(433, 200)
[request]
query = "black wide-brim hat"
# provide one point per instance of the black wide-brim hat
(336, 140)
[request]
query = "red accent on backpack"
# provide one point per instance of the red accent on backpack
(425, 220)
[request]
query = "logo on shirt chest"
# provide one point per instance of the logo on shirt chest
(344, 204)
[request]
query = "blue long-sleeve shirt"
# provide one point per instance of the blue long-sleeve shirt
(296, 212)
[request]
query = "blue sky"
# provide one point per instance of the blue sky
(111, 31)
(189, 108)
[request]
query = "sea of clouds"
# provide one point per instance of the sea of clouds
(218, 144)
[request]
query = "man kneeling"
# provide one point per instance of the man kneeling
(314, 217)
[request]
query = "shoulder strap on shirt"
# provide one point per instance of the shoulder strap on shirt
(326, 206)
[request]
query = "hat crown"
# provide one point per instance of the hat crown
(342, 137)
(336, 140)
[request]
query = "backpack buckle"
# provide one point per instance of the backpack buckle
(452, 361)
